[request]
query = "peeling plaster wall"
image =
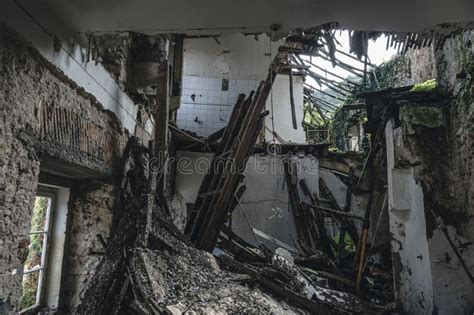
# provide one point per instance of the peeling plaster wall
(71, 59)
(421, 176)
(27, 83)
(91, 215)
(278, 104)
(430, 158)
(410, 251)
(424, 176)
(243, 61)
(455, 67)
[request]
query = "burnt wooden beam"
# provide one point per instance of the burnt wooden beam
(318, 219)
(161, 117)
(301, 60)
(177, 73)
(242, 147)
(309, 234)
(292, 101)
(355, 106)
(215, 136)
(210, 180)
(338, 212)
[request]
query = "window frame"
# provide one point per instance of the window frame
(50, 193)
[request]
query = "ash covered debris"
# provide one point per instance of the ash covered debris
(150, 268)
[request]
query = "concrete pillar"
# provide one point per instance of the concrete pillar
(410, 251)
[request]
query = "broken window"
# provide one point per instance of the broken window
(35, 264)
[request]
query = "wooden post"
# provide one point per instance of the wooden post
(177, 75)
(161, 119)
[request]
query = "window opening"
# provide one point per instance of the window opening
(35, 264)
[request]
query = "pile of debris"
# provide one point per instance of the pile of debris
(150, 267)
(318, 274)
(183, 279)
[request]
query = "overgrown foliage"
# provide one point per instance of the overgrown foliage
(314, 125)
(382, 77)
(424, 86)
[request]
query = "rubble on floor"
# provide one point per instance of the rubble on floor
(187, 280)
(150, 267)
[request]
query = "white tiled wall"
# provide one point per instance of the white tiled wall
(211, 106)
(241, 59)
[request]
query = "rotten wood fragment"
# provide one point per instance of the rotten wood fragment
(318, 219)
(295, 202)
(209, 181)
(292, 101)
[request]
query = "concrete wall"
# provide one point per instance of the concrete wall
(279, 106)
(455, 67)
(265, 200)
(411, 254)
(429, 198)
(429, 160)
(243, 61)
(19, 169)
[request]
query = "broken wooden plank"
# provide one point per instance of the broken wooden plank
(161, 116)
(275, 241)
(337, 212)
(245, 141)
(207, 181)
(295, 201)
(318, 220)
(292, 101)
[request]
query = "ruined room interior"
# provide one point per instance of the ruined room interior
(266, 157)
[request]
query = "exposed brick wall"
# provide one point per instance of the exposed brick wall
(68, 128)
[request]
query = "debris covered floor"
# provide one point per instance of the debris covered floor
(266, 172)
